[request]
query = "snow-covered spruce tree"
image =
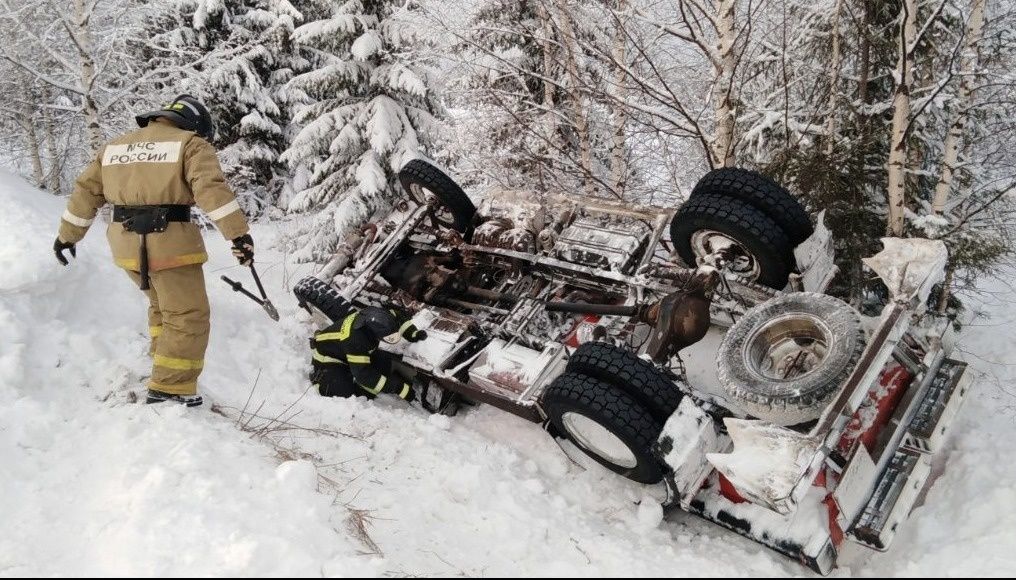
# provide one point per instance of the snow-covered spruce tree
(369, 110)
(237, 57)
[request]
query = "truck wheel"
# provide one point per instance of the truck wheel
(757, 247)
(762, 193)
(321, 296)
(786, 358)
(419, 177)
(606, 424)
(625, 370)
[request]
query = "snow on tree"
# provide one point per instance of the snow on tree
(368, 111)
(545, 108)
(66, 67)
(242, 58)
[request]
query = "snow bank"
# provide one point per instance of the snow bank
(91, 484)
(98, 488)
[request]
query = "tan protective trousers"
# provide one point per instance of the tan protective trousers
(178, 322)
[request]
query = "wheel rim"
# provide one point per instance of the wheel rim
(597, 439)
(708, 244)
(441, 212)
(788, 347)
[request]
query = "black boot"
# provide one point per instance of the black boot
(186, 400)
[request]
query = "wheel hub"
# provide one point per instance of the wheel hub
(438, 209)
(720, 250)
(598, 439)
(788, 347)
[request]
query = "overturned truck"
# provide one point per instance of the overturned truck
(695, 347)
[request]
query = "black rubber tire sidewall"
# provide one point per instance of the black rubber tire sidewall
(613, 409)
(625, 370)
(427, 175)
(742, 222)
(323, 297)
(761, 192)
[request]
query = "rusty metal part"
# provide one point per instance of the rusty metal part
(491, 294)
(583, 308)
(475, 306)
(546, 239)
(487, 233)
(376, 256)
(557, 306)
(422, 275)
(681, 318)
(526, 411)
(502, 233)
(347, 251)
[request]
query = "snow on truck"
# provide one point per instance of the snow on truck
(695, 347)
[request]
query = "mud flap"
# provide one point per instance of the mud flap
(688, 437)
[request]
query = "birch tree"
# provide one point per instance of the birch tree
(904, 77)
(58, 48)
(968, 77)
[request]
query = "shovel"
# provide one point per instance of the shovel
(264, 302)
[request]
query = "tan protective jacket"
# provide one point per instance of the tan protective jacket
(155, 165)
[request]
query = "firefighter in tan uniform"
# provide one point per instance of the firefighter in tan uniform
(153, 176)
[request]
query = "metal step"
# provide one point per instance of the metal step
(901, 483)
(894, 497)
(938, 409)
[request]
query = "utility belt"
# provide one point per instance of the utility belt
(148, 219)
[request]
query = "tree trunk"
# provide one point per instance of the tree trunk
(723, 109)
(38, 175)
(953, 139)
(619, 119)
(834, 81)
(896, 191)
(578, 101)
(945, 292)
(549, 125)
(55, 165)
(31, 134)
(83, 41)
(865, 66)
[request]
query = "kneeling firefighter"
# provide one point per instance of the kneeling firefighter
(347, 360)
(153, 176)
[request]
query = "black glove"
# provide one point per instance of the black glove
(58, 249)
(243, 249)
(418, 336)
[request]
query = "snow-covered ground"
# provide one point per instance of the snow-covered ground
(91, 484)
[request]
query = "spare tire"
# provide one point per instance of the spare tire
(786, 358)
(625, 370)
(315, 293)
(606, 424)
(761, 192)
(763, 252)
(419, 177)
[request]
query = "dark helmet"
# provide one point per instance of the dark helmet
(186, 112)
(378, 321)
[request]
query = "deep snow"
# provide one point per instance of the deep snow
(94, 485)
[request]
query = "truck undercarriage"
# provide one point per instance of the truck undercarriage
(693, 346)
